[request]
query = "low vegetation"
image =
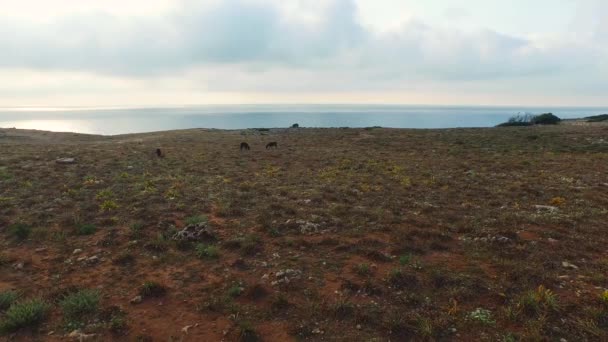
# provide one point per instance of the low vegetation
(530, 120)
(338, 234)
(27, 314)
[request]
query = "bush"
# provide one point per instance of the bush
(529, 120)
(518, 120)
(20, 231)
(81, 303)
(597, 118)
(152, 289)
(546, 119)
(7, 298)
(25, 314)
(207, 252)
(86, 229)
(295, 125)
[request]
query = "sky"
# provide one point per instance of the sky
(191, 52)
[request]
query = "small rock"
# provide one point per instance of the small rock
(186, 328)
(563, 340)
(551, 240)
(77, 250)
(546, 208)
(93, 259)
(136, 300)
(38, 250)
(78, 335)
(18, 266)
(66, 161)
(317, 331)
(566, 264)
(358, 326)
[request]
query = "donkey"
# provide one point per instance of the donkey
(159, 153)
(245, 146)
(272, 144)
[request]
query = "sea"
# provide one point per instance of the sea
(114, 121)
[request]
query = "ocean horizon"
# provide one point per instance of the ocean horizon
(125, 120)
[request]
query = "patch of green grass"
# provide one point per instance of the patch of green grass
(152, 289)
(108, 205)
(79, 306)
(538, 301)
(206, 251)
(135, 230)
(247, 333)
(158, 244)
(405, 259)
(196, 219)
(7, 298)
(19, 231)
(26, 314)
(363, 270)
(104, 194)
(250, 244)
(235, 290)
(86, 229)
(483, 316)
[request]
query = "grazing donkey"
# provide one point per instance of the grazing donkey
(159, 153)
(245, 146)
(272, 144)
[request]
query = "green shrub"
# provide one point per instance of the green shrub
(597, 118)
(80, 304)
(196, 219)
(152, 289)
(19, 231)
(235, 290)
(546, 119)
(7, 298)
(518, 120)
(483, 316)
(247, 333)
(207, 252)
(86, 229)
(26, 314)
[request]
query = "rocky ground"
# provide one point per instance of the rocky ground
(494, 234)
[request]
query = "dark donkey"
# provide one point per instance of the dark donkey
(245, 146)
(272, 144)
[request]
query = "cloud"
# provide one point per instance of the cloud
(223, 41)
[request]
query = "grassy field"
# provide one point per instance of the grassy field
(494, 234)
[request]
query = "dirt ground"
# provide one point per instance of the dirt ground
(495, 234)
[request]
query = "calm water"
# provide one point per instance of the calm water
(119, 121)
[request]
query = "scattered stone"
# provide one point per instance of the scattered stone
(566, 264)
(308, 228)
(136, 300)
(18, 266)
(317, 331)
(186, 328)
(195, 232)
(547, 208)
(286, 276)
(66, 161)
(80, 336)
(38, 250)
(77, 251)
(93, 259)
(358, 326)
(551, 240)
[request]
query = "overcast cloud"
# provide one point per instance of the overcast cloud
(242, 46)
